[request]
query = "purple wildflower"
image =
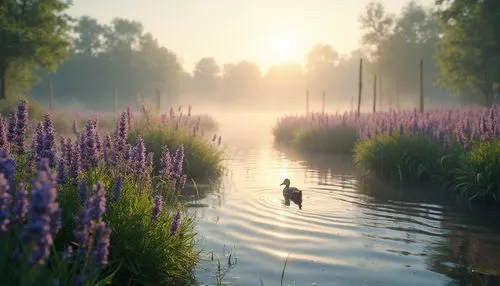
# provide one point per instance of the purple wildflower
(99, 201)
(7, 165)
(117, 189)
(175, 223)
(101, 250)
(61, 172)
(140, 156)
(178, 161)
(22, 126)
(4, 142)
(83, 189)
(75, 164)
(157, 207)
(11, 131)
(181, 182)
(42, 210)
(5, 201)
(20, 204)
(49, 142)
(165, 164)
(90, 154)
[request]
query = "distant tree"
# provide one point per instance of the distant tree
(469, 54)
(321, 61)
(32, 33)
(119, 56)
(89, 38)
(377, 26)
(206, 75)
(241, 80)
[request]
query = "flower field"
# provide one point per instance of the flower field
(455, 149)
(92, 209)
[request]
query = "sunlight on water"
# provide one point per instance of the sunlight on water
(344, 234)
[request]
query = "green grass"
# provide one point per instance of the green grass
(477, 175)
(336, 140)
(405, 159)
(202, 158)
(411, 160)
(339, 140)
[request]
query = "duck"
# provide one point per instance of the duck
(291, 194)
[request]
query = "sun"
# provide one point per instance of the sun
(283, 50)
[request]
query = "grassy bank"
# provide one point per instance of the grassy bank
(202, 153)
(319, 133)
(456, 150)
(89, 211)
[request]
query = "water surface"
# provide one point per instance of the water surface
(347, 233)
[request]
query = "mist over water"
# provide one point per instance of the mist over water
(347, 233)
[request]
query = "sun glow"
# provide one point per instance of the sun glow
(284, 49)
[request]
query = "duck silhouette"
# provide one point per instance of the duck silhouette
(291, 194)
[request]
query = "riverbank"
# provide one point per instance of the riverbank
(91, 210)
(451, 149)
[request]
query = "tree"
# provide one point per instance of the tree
(241, 80)
(469, 54)
(33, 31)
(377, 26)
(206, 75)
(89, 39)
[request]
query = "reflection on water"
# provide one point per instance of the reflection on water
(347, 232)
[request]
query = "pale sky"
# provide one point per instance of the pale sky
(261, 31)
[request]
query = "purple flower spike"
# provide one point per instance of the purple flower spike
(4, 141)
(42, 211)
(20, 205)
(76, 163)
(83, 190)
(178, 161)
(140, 156)
(157, 207)
(101, 251)
(7, 165)
(61, 172)
(49, 144)
(11, 131)
(165, 164)
(175, 223)
(5, 201)
(22, 126)
(117, 189)
(99, 201)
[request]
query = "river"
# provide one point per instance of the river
(347, 232)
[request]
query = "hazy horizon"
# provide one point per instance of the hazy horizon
(265, 33)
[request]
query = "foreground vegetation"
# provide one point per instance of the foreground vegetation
(454, 149)
(90, 211)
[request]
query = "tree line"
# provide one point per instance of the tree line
(87, 61)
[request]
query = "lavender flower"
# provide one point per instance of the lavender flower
(117, 189)
(5, 201)
(165, 164)
(7, 165)
(175, 223)
(76, 165)
(42, 211)
(101, 251)
(178, 161)
(68, 254)
(4, 142)
(140, 156)
(90, 154)
(157, 207)
(11, 132)
(61, 172)
(99, 201)
(22, 126)
(20, 204)
(49, 142)
(83, 190)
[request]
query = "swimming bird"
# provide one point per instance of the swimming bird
(291, 194)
